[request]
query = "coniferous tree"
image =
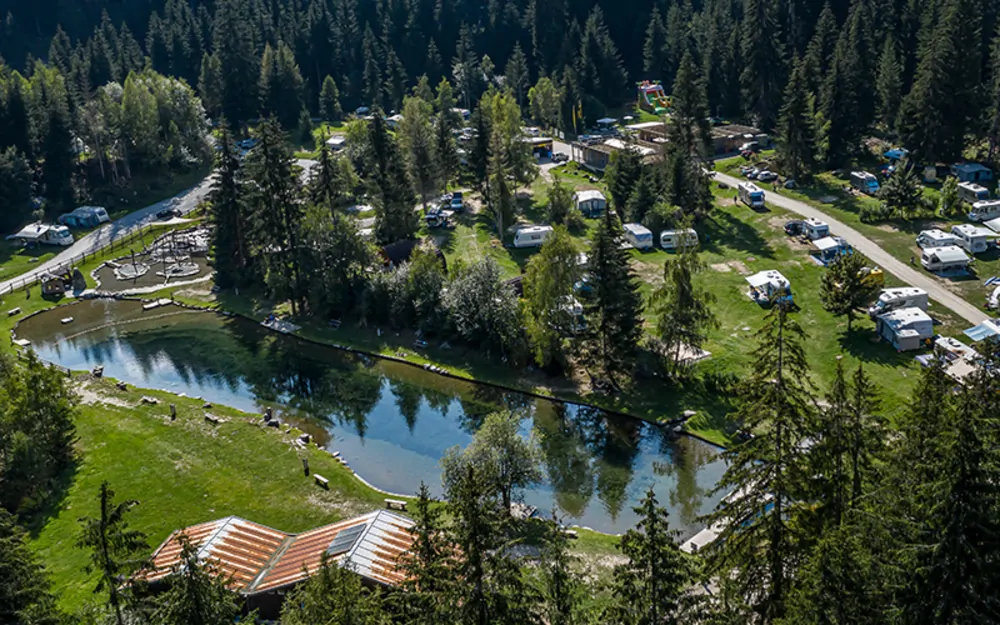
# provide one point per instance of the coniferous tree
(25, 596)
(333, 595)
(197, 594)
(689, 141)
(902, 193)
(846, 287)
(543, 100)
(889, 84)
(281, 85)
(613, 306)
(116, 552)
(517, 75)
(563, 589)
(994, 93)
(233, 45)
(445, 152)
(561, 203)
(395, 218)
(331, 179)
(653, 49)
(428, 566)
(211, 84)
(819, 52)
(650, 586)
(761, 50)
(950, 203)
(499, 194)
(796, 133)
(275, 211)
(684, 316)
(15, 188)
(423, 90)
(621, 177)
(372, 77)
(766, 475)
(329, 100)
(231, 232)
(417, 139)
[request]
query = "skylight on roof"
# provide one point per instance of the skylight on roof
(345, 539)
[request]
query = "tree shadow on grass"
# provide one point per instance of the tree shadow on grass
(55, 502)
(865, 346)
(724, 229)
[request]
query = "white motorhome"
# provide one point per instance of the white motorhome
(750, 194)
(905, 328)
(815, 229)
(893, 299)
(639, 236)
(985, 211)
(532, 236)
(675, 239)
(971, 192)
(864, 182)
(944, 258)
(935, 238)
(39, 233)
(973, 239)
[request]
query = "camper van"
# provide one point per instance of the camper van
(815, 229)
(972, 239)
(971, 192)
(768, 287)
(751, 195)
(676, 239)
(639, 236)
(935, 238)
(894, 299)
(864, 182)
(47, 234)
(944, 258)
(985, 211)
(532, 236)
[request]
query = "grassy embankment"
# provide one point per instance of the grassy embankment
(897, 236)
(736, 242)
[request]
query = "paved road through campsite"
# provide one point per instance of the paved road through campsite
(185, 202)
(908, 274)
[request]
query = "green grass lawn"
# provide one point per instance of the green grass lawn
(321, 132)
(146, 189)
(16, 259)
(897, 236)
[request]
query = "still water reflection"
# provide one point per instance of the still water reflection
(392, 422)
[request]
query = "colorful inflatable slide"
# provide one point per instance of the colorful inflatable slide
(652, 98)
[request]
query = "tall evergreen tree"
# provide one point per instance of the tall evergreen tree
(796, 134)
(333, 595)
(765, 475)
(233, 43)
(25, 596)
(550, 279)
(517, 75)
(371, 92)
(684, 316)
(211, 84)
(197, 593)
(846, 287)
(329, 100)
(417, 138)
(613, 306)
(689, 141)
(116, 552)
(395, 218)
(428, 566)
(889, 84)
(231, 233)
(281, 85)
(563, 589)
(762, 53)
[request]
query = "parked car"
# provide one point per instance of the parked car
(767, 176)
(361, 111)
(794, 227)
(560, 157)
(457, 201)
(168, 213)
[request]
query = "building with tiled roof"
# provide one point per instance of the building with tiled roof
(263, 563)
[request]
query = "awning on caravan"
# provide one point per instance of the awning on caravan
(983, 331)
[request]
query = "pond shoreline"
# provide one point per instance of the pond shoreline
(438, 370)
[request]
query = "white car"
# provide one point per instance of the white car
(767, 176)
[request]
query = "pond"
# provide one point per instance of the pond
(391, 421)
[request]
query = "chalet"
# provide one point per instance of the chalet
(262, 564)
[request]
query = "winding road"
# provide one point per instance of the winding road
(935, 288)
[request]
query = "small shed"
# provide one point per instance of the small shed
(85, 217)
(972, 172)
(591, 203)
(906, 329)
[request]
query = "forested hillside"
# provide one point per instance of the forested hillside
(860, 58)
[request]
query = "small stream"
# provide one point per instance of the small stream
(391, 421)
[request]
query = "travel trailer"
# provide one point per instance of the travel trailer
(815, 229)
(971, 192)
(750, 194)
(905, 328)
(47, 234)
(829, 249)
(532, 236)
(864, 182)
(768, 287)
(935, 238)
(676, 239)
(639, 236)
(985, 211)
(973, 239)
(894, 299)
(944, 258)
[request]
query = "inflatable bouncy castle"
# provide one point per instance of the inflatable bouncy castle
(652, 98)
